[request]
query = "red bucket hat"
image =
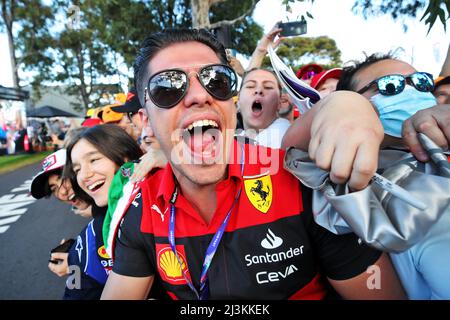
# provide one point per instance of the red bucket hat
(308, 71)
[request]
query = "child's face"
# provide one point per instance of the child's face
(93, 170)
(62, 190)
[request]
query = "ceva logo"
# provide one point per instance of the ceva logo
(271, 241)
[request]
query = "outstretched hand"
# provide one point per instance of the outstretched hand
(434, 122)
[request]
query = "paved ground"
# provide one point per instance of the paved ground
(28, 230)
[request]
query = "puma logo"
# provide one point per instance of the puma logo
(155, 208)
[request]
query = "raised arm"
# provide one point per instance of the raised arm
(261, 50)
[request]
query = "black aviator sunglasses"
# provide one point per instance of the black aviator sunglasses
(168, 87)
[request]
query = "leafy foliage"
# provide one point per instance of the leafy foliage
(409, 8)
(298, 51)
(83, 44)
(244, 34)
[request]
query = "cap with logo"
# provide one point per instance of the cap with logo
(132, 103)
(55, 161)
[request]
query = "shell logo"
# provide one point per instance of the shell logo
(169, 266)
(102, 252)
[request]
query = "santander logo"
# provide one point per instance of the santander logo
(271, 241)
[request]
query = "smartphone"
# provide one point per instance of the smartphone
(64, 247)
(291, 29)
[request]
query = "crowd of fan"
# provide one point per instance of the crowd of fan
(134, 182)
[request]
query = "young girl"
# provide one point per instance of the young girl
(93, 158)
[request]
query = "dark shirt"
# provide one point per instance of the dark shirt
(90, 262)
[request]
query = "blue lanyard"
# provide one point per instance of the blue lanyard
(213, 245)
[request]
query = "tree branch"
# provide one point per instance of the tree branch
(213, 2)
(230, 22)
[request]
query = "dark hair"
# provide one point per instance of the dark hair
(46, 186)
(111, 141)
(347, 80)
(155, 42)
(247, 72)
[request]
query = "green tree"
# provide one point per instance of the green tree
(399, 9)
(69, 53)
(22, 20)
(298, 51)
(245, 32)
(123, 24)
(82, 44)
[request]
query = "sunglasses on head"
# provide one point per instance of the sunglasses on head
(393, 84)
(168, 87)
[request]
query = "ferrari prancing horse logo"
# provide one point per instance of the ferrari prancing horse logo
(259, 192)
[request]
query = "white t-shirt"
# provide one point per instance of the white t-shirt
(271, 136)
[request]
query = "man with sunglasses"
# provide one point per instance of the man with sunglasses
(418, 238)
(398, 92)
(217, 223)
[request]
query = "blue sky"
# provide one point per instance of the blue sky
(352, 33)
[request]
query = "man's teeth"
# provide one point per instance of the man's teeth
(72, 197)
(95, 184)
(202, 123)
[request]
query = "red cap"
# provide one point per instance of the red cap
(323, 76)
(307, 71)
(90, 122)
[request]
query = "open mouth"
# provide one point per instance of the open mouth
(202, 137)
(257, 108)
(96, 185)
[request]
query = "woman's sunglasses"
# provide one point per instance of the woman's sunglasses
(393, 84)
(168, 87)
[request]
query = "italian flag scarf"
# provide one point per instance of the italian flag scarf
(119, 197)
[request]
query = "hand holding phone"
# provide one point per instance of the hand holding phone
(59, 263)
(63, 247)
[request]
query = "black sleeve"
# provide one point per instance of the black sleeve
(132, 256)
(340, 257)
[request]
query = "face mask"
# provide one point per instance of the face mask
(393, 110)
